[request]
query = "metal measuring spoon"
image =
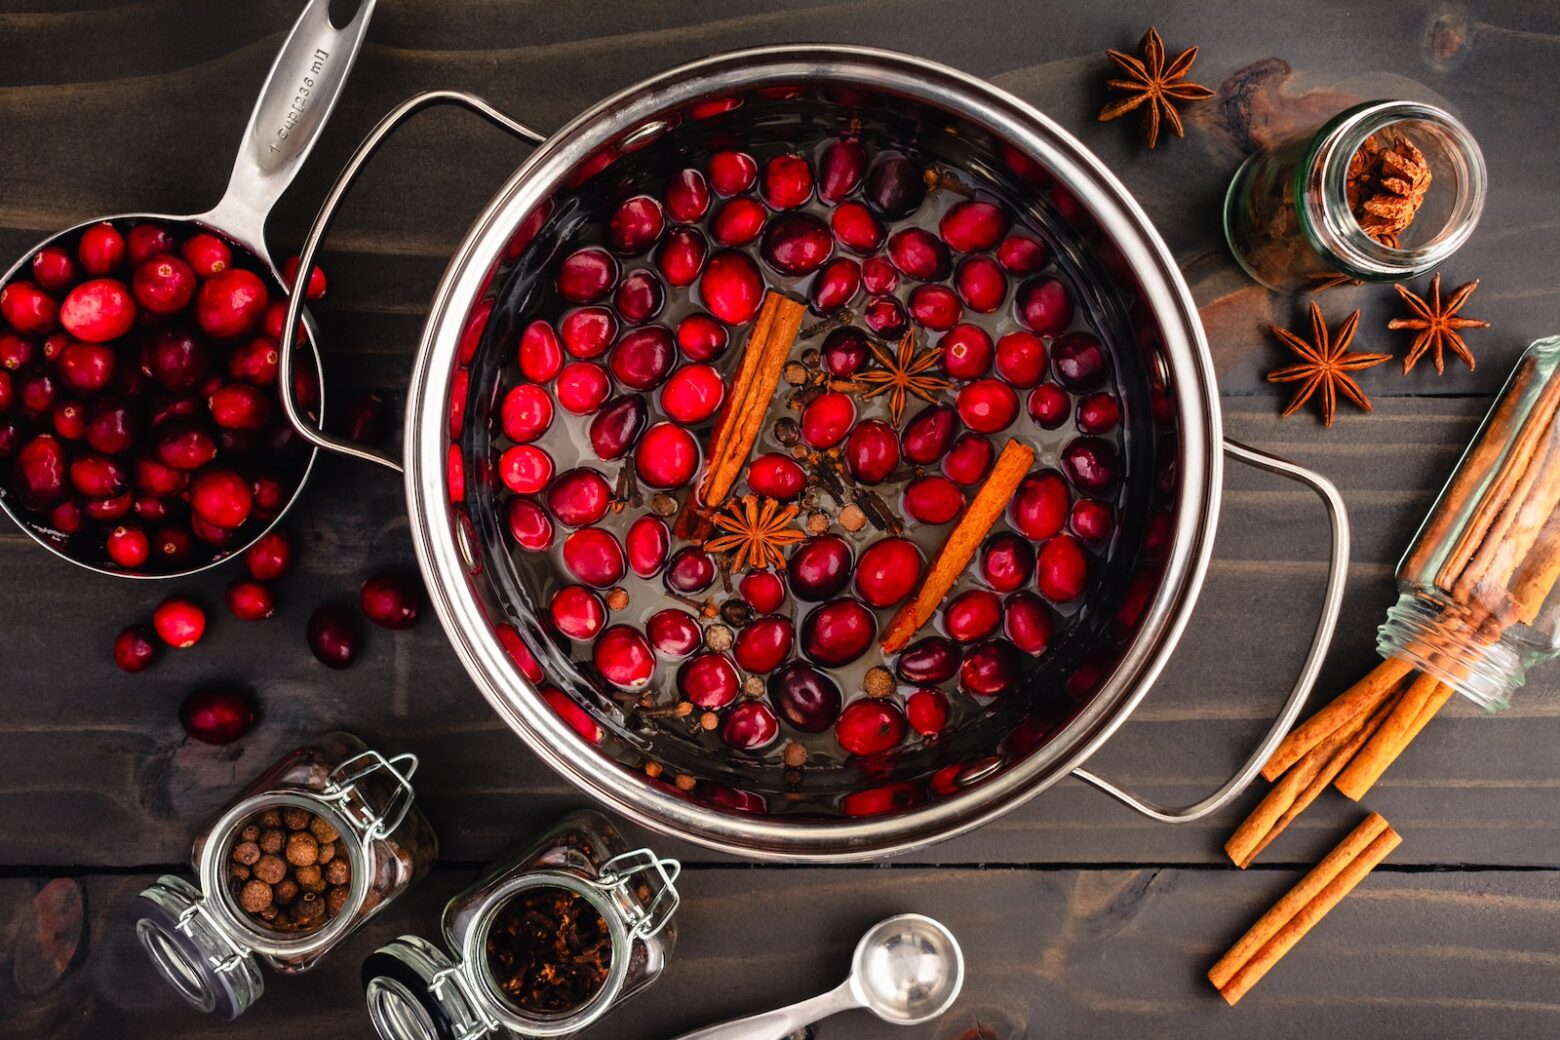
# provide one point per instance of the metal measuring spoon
(302, 88)
(906, 970)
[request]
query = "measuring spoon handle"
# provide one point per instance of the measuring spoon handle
(776, 1025)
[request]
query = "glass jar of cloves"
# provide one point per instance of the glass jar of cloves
(542, 945)
(1382, 192)
(319, 843)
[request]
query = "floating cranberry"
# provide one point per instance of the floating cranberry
(644, 357)
(709, 681)
(147, 240)
(805, 696)
(1098, 413)
(249, 600)
(973, 615)
(895, 186)
(918, 254)
(1043, 306)
(927, 712)
(119, 505)
(1006, 561)
(732, 173)
(588, 332)
(687, 196)
(929, 660)
(878, 275)
(69, 420)
(134, 650)
(1021, 255)
(872, 451)
(973, 226)
(101, 249)
(870, 727)
(206, 254)
(838, 632)
(762, 590)
(217, 714)
(239, 406)
(268, 558)
(968, 461)
(594, 557)
(231, 303)
(990, 669)
(796, 243)
(875, 801)
(525, 469)
(836, 285)
(579, 497)
(750, 726)
(1062, 569)
(731, 287)
(693, 394)
(635, 225)
(776, 476)
(680, 256)
(577, 612)
(529, 524)
(128, 547)
(333, 636)
(840, 169)
(96, 476)
(86, 367)
(624, 658)
(164, 285)
(576, 717)
(172, 544)
(819, 567)
(15, 351)
(967, 352)
(763, 644)
(179, 622)
(981, 284)
(1027, 622)
(639, 297)
(674, 632)
(390, 599)
(97, 311)
(932, 500)
(827, 420)
(935, 307)
(987, 405)
(701, 337)
(886, 316)
(586, 275)
(667, 456)
(111, 428)
(888, 571)
(221, 497)
(691, 570)
(159, 479)
(1021, 358)
(738, 222)
(857, 229)
(647, 543)
(541, 352)
(1080, 361)
(1039, 507)
(615, 428)
(28, 309)
(1090, 463)
(582, 386)
(37, 391)
(845, 351)
(788, 181)
(1092, 520)
(1049, 406)
(926, 437)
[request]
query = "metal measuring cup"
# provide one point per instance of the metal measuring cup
(299, 94)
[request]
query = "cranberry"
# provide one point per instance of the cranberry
(990, 669)
(577, 718)
(134, 649)
(973, 226)
(1043, 306)
(827, 420)
(268, 558)
(1006, 561)
(845, 352)
(967, 352)
(1062, 569)
(128, 547)
(159, 479)
(333, 636)
(150, 507)
(10, 438)
(221, 498)
(776, 476)
(929, 660)
(935, 307)
(981, 284)
(15, 351)
(1021, 358)
(594, 557)
(932, 500)
(86, 367)
(239, 406)
(249, 600)
(1039, 507)
(680, 256)
(701, 337)
(179, 622)
(888, 571)
(53, 268)
(691, 570)
(886, 316)
(1092, 520)
(857, 229)
(617, 426)
(541, 352)
(257, 362)
(525, 413)
(101, 250)
(231, 303)
(30, 310)
(172, 544)
(97, 311)
(763, 591)
(872, 451)
(206, 254)
(577, 612)
(269, 494)
(732, 173)
(972, 615)
(1027, 622)
(838, 632)
(870, 727)
(525, 469)
(639, 297)
(731, 287)
(586, 275)
(674, 632)
(1020, 254)
(588, 331)
(750, 726)
(687, 196)
(647, 543)
(763, 644)
(968, 460)
(1049, 406)
(147, 240)
(67, 517)
(1080, 361)
(118, 506)
(69, 420)
(788, 181)
(805, 697)
(738, 222)
(635, 225)
(895, 186)
(1090, 463)
(693, 394)
(796, 243)
(39, 473)
(709, 681)
(217, 714)
(878, 275)
(316, 287)
(819, 567)
(579, 497)
(529, 524)
(875, 801)
(927, 712)
(111, 428)
(667, 457)
(918, 254)
(644, 357)
(624, 658)
(582, 386)
(390, 599)
(840, 169)
(987, 405)
(835, 286)
(37, 391)
(178, 361)
(164, 285)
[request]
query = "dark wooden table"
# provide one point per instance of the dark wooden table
(1079, 919)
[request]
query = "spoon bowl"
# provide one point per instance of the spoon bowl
(907, 969)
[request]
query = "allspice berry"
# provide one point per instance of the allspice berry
(272, 840)
(310, 908)
(617, 598)
(718, 638)
(685, 782)
(326, 854)
(270, 818)
(296, 819)
(255, 897)
(238, 872)
(753, 686)
(250, 833)
(322, 830)
(339, 872)
(817, 523)
(709, 722)
(247, 853)
(270, 869)
(795, 755)
(335, 900)
(852, 518)
(284, 891)
(302, 849)
(878, 683)
(310, 878)
(662, 504)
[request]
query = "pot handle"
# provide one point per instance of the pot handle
(322, 222)
(1337, 571)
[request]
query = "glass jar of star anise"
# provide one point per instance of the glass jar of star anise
(319, 843)
(543, 944)
(1382, 192)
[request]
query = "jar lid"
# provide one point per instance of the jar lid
(200, 960)
(415, 991)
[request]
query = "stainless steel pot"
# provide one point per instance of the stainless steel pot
(994, 134)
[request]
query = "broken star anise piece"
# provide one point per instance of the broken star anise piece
(1325, 365)
(1385, 186)
(902, 373)
(1151, 82)
(1437, 324)
(756, 530)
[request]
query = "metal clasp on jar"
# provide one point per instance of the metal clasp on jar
(661, 876)
(196, 917)
(341, 789)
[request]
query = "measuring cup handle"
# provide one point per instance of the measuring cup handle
(304, 84)
(322, 222)
(1337, 571)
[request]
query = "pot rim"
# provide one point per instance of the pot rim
(445, 562)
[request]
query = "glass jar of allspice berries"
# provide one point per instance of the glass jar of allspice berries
(319, 843)
(544, 943)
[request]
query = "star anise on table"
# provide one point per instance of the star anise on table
(1150, 81)
(1438, 324)
(756, 530)
(1325, 365)
(903, 373)
(1385, 186)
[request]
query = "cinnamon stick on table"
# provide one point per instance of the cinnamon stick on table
(1419, 704)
